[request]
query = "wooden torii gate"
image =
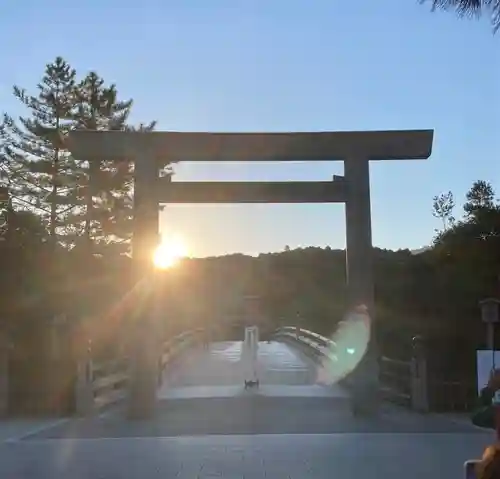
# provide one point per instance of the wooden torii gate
(151, 150)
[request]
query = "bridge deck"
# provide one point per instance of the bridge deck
(218, 371)
(207, 426)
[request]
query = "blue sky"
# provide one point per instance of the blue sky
(284, 65)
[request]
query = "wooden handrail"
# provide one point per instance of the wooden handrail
(108, 381)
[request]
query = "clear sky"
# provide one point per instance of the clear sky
(284, 65)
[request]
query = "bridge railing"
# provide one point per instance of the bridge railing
(395, 375)
(109, 381)
(171, 349)
(316, 342)
(405, 382)
(102, 384)
(396, 380)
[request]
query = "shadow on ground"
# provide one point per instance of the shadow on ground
(252, 415)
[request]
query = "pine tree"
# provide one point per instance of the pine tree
(44, 178)
(41, 175)
(106, 187)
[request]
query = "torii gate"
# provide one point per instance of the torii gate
(150, 150)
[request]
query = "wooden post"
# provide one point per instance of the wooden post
(84, 393)
(419, 378)
(4, 375)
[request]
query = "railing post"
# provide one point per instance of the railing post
(160, 368)
(164, 350)
(418, 377)
(84, 394)
(4, 375)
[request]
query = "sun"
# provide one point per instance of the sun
(169, 253)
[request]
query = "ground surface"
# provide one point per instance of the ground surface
(207, 425)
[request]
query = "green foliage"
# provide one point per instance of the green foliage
(468, 253)
(41, 176)
(480, 197)
(470, 8)
(442, 208)
(45, 179)
(104, 188)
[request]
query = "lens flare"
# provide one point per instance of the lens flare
(169, 253)
(349, 345)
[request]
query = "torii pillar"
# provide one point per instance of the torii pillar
(144, 325)
(359, 262)
(359, 275)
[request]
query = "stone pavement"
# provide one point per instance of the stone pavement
(206, 426)
(388, 456)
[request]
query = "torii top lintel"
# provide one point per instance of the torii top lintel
(308, 146)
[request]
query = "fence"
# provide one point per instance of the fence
(105, 383)
(109, 381)
(407, 383)
(395, 380)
